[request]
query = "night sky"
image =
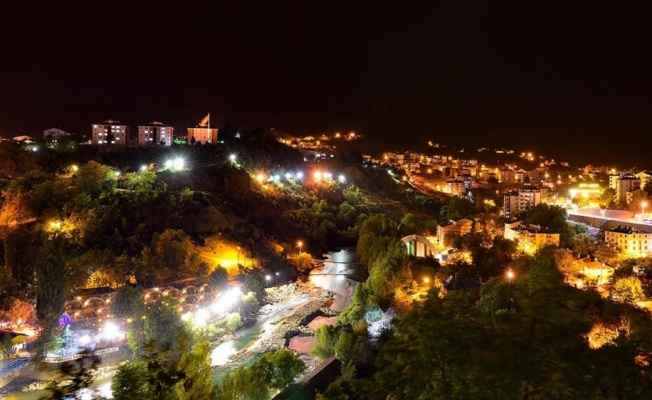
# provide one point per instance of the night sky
(571, 79)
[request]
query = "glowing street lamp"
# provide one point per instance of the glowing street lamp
(260, 178)
(201, 317)
(300, 243)
(643, 205)
(268, 278)
(232, 157)
(178, 163)
(276, 279)
(426, 280)
(510, 275)
(111, 331)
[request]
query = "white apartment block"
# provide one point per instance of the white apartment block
(156, 133)
(110, 132)
(630, 241)
(520, 200)
(55, 133)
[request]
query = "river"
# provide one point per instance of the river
(340, 274)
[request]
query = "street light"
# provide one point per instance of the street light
(510, 275)
(426, 280)
(300, 244)
(267, 278)
(238, 254)
(276, 279)
(643, 205)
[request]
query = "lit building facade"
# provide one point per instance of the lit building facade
(453, 228)
(532, 237)
(630, 241)
(155, 133)
(644, 177)
(625, 184)
(520, 200)
(586, 191)
(202, 135)
(110, 132)
(55, 133)
(456, 187)
(507, 175)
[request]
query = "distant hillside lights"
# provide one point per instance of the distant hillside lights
(317, 176)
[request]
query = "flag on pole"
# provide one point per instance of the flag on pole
(205, 120)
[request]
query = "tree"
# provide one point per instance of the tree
(219, 278)
(605, 252)
(128, 303)
(14, 208)
(607, 195)
(279, 368)
(129, 382)
(196, 381)
(274, 370)
(95, 179)
(628, 289)
(325, 338)
(554, 218)
(51, 289)
(233, 322)
(19, 312)
(565, 262)
(20, 259)
(583, 245)
(6, 347)
(171, 256)
(304, 261)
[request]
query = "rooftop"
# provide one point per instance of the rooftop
(626, 229)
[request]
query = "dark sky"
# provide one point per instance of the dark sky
(572, 79)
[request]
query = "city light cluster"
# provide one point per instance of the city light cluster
(111, 331)
(223, 304)
(317, 176)
(175, 164)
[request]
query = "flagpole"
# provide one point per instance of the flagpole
(209, 129)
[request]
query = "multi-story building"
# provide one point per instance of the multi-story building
(613, 180)
(110, 132)
(55, 133)
(624, 184)
(468, 180)
(630, 241)
(530, 237)
(447, 230)
(520, 200)
(533, 174)
(202, 135)
(155, 133)
(507, 175)
(645, 177)
(456, 187)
